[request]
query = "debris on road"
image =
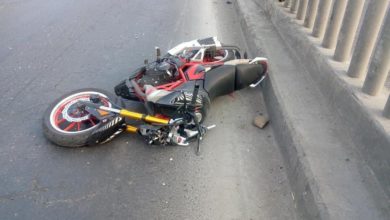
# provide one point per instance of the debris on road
(261, 121)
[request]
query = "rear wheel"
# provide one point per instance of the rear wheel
(67, 124)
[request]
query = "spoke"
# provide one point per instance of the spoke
(93, 123)
(70, 126)
(58, 122)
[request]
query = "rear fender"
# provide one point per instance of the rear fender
(247, 74)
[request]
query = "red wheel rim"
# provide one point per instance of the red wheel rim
(68, 117)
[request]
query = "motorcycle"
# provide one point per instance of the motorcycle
(175, 113)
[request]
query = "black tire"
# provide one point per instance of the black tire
(78, 138)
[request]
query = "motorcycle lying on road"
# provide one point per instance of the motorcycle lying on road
(175, 113)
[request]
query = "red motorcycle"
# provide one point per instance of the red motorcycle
(176, 91)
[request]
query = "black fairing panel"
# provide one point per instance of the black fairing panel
(247, 74)
(171, 103)
(220, 81)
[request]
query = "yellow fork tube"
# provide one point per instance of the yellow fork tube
(131, 129)
(144, 117)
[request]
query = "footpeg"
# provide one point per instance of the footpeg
(211, 127)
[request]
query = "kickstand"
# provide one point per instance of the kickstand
(198, 146)
(199, 135)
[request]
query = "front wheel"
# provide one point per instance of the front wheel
(67, 124)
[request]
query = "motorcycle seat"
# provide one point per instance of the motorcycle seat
(220, 81)
(228, 78)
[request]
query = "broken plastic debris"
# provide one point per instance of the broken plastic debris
(261, 121)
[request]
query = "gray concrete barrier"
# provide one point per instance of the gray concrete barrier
(340, 24)
(368, 133)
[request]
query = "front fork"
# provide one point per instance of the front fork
(174, 137)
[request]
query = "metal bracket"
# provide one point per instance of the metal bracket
(253, 85)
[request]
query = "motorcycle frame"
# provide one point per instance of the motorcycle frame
(183, 78)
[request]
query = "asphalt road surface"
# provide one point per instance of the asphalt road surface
(48, 48)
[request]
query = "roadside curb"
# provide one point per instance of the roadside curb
(305, 193)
